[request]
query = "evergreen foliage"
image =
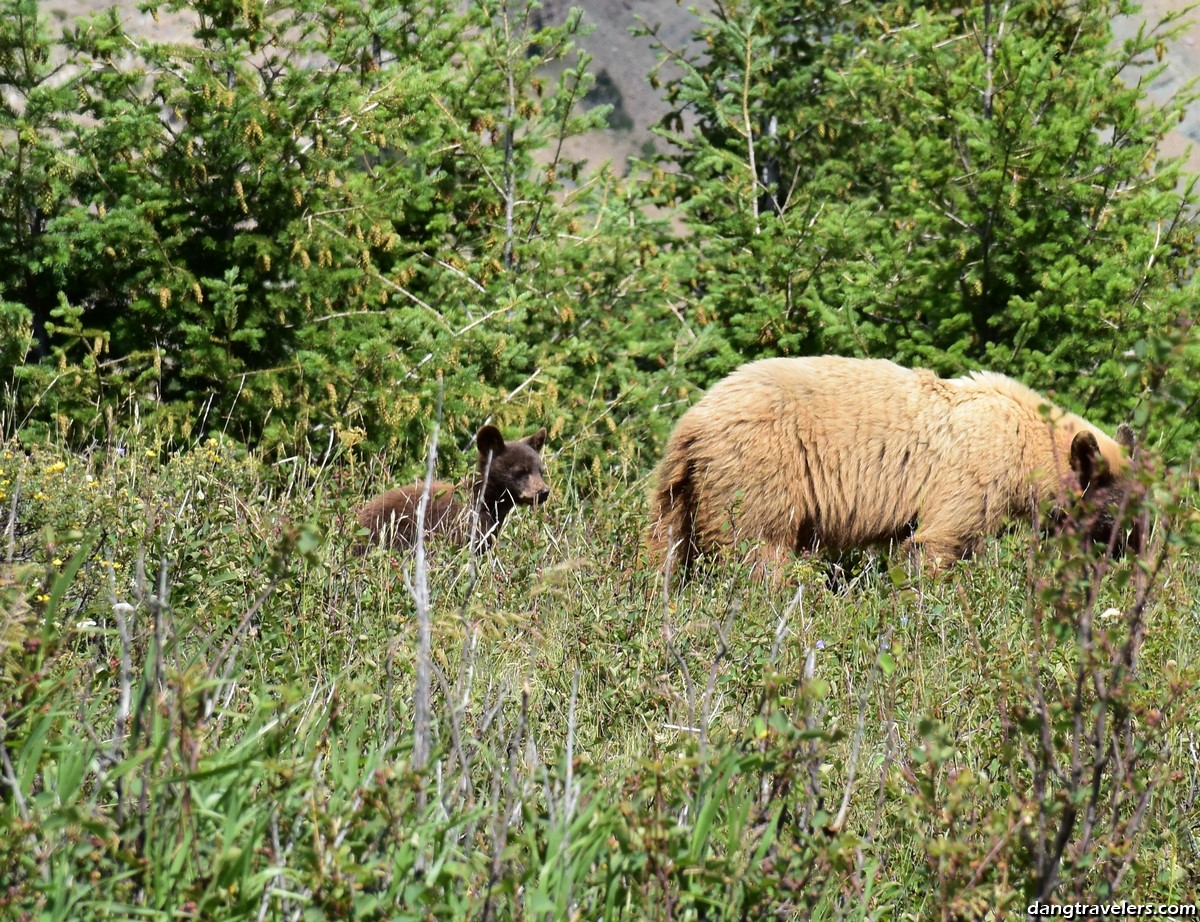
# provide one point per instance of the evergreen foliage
(947, 185)
(311, 218)
(303, 219)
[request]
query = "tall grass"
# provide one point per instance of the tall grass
(209, 704)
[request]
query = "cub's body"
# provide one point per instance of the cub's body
(508, 474)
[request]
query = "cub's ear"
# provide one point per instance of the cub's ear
(537, 440)
(489, 441)
(1086, 460)
(1126, 439)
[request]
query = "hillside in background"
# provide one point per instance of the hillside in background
(622, 63)
(1183, 66)
(628, 60)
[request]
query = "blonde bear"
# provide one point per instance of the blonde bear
(793, 454)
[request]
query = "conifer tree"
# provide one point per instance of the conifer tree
(956, 186)
(302, 218)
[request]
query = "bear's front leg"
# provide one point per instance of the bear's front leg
(935, 552)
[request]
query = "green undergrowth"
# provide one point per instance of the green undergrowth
(211, 710)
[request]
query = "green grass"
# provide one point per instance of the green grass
(208, 706)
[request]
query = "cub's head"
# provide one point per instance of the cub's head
(512, 472)
(1106, 481)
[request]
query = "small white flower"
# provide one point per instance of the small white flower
(1110, 614)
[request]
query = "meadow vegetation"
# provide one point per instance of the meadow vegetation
(240, 280)
(210, 711)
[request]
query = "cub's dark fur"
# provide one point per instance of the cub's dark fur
(509, 474)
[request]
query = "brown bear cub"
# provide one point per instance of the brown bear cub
(509, 474)
(792, 454)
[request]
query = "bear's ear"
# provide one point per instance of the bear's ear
(537, 440)
(1126, 439)
(489, 441)
(1086, 460)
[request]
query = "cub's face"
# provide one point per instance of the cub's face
(514, 469)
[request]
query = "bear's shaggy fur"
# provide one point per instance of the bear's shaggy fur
(508, 474)
(792, 454)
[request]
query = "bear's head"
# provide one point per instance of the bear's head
(1106, 483)
(511, 472)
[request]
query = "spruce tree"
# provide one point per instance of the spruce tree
(951, 186)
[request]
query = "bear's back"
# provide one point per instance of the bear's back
(393, 515)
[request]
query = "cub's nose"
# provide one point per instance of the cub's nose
(542, 495)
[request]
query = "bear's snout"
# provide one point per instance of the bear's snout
(536, 491)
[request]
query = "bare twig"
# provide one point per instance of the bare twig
(422, 731)
(10, 530)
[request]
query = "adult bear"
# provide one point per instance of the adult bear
(791, 454)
